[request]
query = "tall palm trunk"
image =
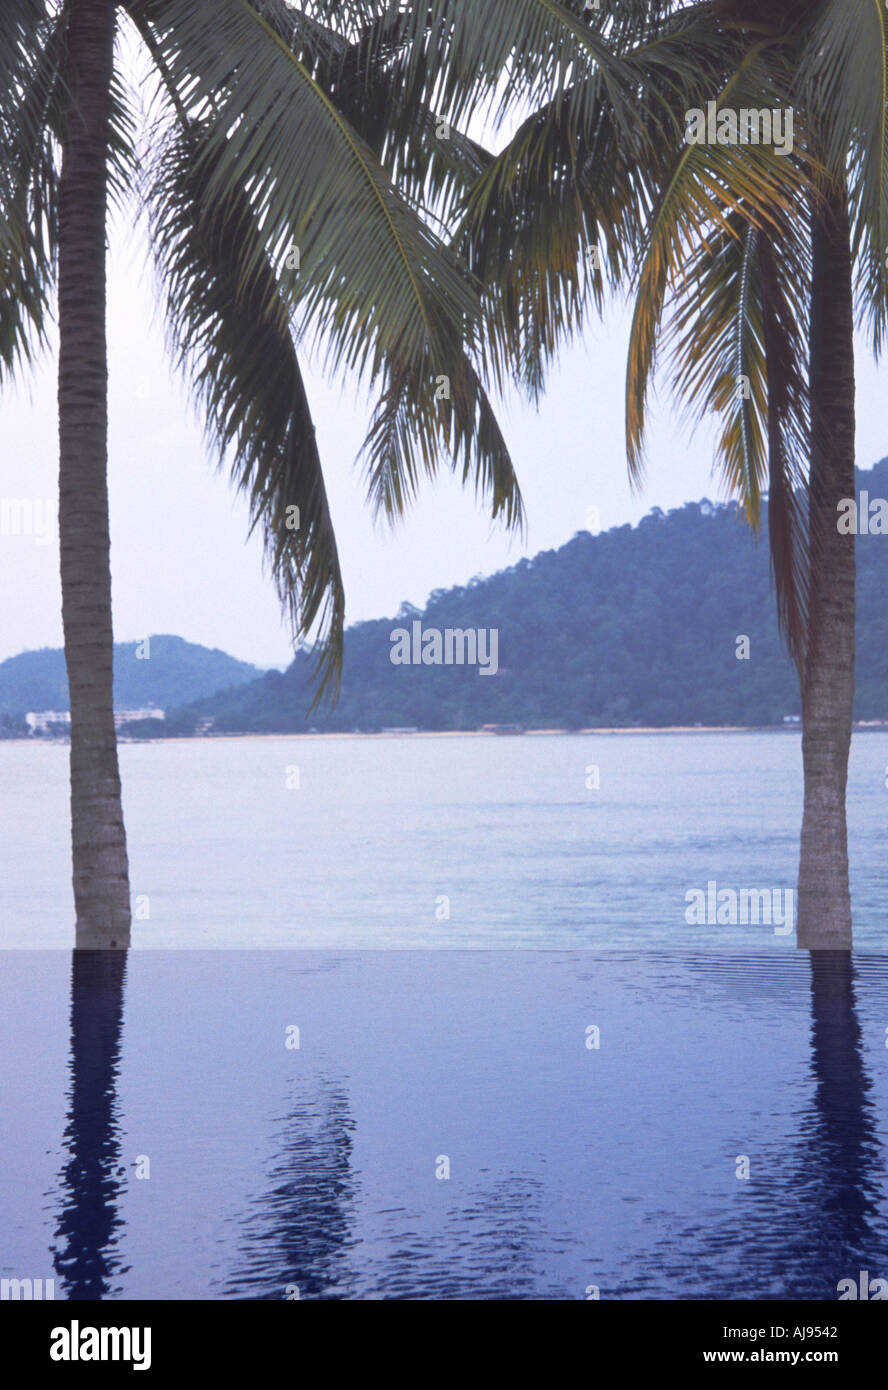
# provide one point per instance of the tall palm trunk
(101, 874)
(824, 905)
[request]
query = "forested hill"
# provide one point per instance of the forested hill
(638, 625)
(168, 671)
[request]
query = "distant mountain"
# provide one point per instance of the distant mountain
(173, 672)
(638, 625)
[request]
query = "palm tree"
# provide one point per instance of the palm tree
(271, 217)
(789, 332)
(745, 265)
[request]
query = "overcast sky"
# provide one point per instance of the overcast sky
(180, 560)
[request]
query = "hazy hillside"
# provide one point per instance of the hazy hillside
(175, 672)
(637, 625)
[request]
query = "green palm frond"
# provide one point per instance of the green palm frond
(31, 57)
(844, 79)
(231, 331)
(735, 341)
(372, 277)
(468, 55)
(22, 32)
(794, 538)
(714, 339)
(542, 259)
(706, 185)
(122, 156)
(394, 301)
(422, 415)
(432, 162)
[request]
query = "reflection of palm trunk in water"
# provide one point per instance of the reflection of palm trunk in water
(296, 1235)
(842, 1164)
(91, 1176)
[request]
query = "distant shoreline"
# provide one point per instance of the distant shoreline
(474, 733)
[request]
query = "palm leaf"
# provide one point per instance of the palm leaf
(232, 333)
(406, 440)
(469, 54)
(705, 186)
(31, 55)
(735, 340)
(373, 278)
(844, 79)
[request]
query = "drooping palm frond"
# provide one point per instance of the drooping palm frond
(714, 341)
(793, 534)
(544, 259)
(24, 29)
(707, 183)
(31, 55)
(431, 161)
(465, 56)
(230, 330)
(735, 342)
(540, 260)
(389, 290)
(843, 77)
(422, 414)
(400, 308)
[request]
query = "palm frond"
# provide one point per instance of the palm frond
(231, 332)
(371, 276)
(422, 415)
(542, 260)
(735, 340)
(706, 185)
(270, 153)
(467, 55)
(714, 339)
(31, 58)
(789, 523)
(364, 76)
(844, 79)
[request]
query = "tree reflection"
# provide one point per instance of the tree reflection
(840, 1157)
(296, 1235)
(86, 1258)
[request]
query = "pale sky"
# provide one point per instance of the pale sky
(180, 560)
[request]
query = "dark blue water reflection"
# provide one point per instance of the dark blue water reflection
(313, 1172)
(87, 1255)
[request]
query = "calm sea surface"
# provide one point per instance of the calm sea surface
(383, 837)
(629, 1104)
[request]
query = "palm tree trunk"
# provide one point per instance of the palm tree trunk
(101, 873)
(824, 906)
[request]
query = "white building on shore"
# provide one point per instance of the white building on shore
(129, 716)
(38, 721)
